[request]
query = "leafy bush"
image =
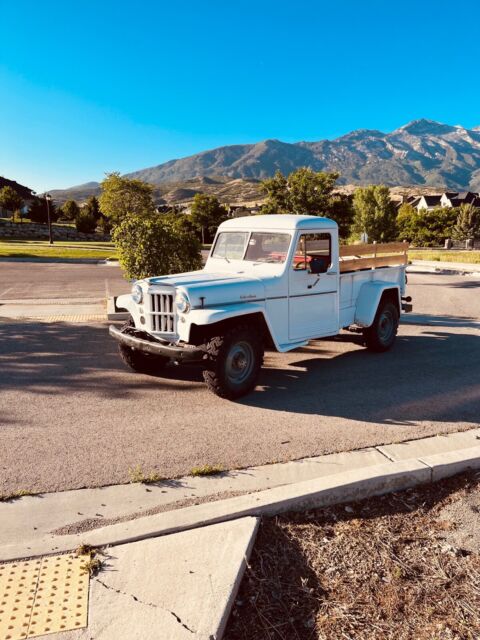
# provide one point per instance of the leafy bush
(85, 222)
(426, 228)
(152, 245)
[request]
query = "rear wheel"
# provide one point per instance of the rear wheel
(234, 362)
(381, 335)
(138, 360)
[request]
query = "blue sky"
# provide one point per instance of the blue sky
(95, 86)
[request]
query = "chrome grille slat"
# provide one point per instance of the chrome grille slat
(162, 313)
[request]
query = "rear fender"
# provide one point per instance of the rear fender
(369, 298)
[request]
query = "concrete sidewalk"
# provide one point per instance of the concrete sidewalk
(175, 574)
(61, 521)
(176, 587)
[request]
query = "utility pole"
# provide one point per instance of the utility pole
(48, 199)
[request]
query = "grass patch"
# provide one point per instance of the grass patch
(136, 475)
(42, 249)
(468, 257)
(16, 495)
(207, 470)
(93, 565)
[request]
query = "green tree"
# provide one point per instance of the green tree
(69, 210)
(407, 222)
(468, 222)
(304, 192)
(92, 206)
(375, 213)
(425, 228)
(85, 221)
(10, 200)
(152, 245)
(122, 196)
(207, 213)
(341, 210)
(37, 211)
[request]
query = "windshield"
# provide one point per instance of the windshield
(261, 247)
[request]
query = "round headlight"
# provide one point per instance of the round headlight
(137, 294)
(182, 302)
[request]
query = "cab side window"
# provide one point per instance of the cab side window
(313, 253)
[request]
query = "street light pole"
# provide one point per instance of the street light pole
(48, 198)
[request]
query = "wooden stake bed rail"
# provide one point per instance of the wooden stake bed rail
(372, 256)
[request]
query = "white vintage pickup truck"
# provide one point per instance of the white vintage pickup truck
(274, 281)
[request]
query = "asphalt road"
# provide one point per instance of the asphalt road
(31, 280)
(71, 414)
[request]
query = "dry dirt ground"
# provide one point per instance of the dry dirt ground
(405, 565)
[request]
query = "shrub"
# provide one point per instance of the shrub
(426, 228)
(150, 245)
(85, 222)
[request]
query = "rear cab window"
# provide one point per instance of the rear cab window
(312, 246)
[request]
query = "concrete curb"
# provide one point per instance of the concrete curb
(337, 488)
(445, 268)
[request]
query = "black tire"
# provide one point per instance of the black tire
(381, 335)
(138, 360)
(234, 362)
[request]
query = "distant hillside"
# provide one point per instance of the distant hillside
(80, 192)
(24, 192)
(422, 153)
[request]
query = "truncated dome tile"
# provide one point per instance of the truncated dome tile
(43, 596)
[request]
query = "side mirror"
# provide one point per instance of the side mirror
(319, 264)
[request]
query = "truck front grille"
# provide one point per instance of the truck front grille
(162, 312)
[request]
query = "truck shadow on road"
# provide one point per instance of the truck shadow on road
(43, 358)
(431, 376)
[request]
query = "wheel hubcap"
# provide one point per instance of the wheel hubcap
(386, 327)
(239, 363)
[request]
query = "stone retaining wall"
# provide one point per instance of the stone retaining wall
(32, 231)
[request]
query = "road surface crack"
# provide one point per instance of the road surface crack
(147, 604)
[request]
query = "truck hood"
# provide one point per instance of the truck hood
(209, 289)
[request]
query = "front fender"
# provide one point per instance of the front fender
(368, 300)
(208, 316)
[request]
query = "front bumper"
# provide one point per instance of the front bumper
(185, 353)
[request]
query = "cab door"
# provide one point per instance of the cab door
(313, 287)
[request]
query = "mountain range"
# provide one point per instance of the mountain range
(421, 153)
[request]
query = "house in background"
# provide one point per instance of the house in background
(455, 198)
(428, 202)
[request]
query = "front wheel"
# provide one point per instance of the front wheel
(138, 360)
(234, 362)
(381, 335)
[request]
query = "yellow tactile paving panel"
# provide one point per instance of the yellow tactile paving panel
(41, 596)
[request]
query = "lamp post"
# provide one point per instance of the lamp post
(48, 199)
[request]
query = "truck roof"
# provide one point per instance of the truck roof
(279, 221)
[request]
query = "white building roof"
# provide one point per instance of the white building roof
(278, 222)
